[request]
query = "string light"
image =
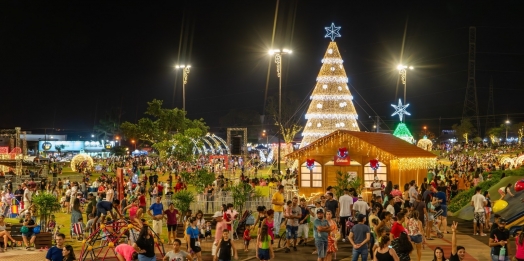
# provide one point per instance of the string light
(331, 79)
(337, 110)
(345, 138)
(403, 132)
(330, 97)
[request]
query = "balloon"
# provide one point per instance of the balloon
(24, 230)
(36, 230)
(499, 205)
(102, 226)
(111, 244)
(519, 185)
(90, 248)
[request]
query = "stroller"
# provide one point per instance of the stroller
(436, 223)
(239, 226)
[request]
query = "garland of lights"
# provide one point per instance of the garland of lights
(402, 132)
(330, 79)
(330, 97)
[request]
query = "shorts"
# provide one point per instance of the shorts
(207, 233)
(487, 210)
(29, 234)
(171, 227)
(246, 242)
(263, 254)
(192, 245)
(444, 210)
(101, 211)
(479, 217)
(291, 232)
(321, 248)
(431, 217)
(417, 239)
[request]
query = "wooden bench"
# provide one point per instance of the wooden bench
(15, 232)
(42, 239)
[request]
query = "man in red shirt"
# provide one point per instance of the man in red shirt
(142, 201)
(397, 227)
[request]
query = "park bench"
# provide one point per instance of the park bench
(42, 240)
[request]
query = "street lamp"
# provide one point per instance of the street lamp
(133, 141)
(185, 70)
(402, 71)
(425, 131)
(278, 60)
(507, 125)
(267, 142)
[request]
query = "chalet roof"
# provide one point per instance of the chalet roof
(383, 146)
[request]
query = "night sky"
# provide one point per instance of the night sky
(64, 65)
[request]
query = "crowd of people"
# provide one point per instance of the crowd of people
(397, 221)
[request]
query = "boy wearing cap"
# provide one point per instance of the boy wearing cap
(321, 227)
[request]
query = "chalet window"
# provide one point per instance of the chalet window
(369, 174)
(311, 178)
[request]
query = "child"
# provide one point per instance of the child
(208, 230)
(224, 248)
(51, 224)
(79, 228)
(264, 247)
(63, 202)
(176, 253)
(247, 238)
(90, 227)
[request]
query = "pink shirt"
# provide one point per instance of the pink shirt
(126, 251)
(219, 231)
(519, 253)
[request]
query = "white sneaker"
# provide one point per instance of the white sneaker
(343, 240)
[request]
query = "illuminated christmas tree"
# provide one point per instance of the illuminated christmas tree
(402, 130)
(331, 106)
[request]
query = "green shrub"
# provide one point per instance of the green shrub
(464, 198)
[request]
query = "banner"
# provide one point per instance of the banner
(341, 162)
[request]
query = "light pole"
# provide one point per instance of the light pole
(267, 142)
(402, 71)
(425, 131)
(133, 141)
(278, 60)
(507, 125)
(185, 71)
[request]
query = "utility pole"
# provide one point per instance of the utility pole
(471, 108)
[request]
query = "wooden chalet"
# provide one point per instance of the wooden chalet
(399, 161)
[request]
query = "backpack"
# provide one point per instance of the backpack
(250, 220)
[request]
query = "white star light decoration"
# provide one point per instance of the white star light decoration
(400, 110)
(332, 32)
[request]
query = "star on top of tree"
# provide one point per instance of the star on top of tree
(332, 31)
(400, 110)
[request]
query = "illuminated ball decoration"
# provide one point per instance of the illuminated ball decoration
(425, 144)
(81, 159)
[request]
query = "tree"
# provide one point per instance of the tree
(241, 193)
(465, 127)
(331, 106)
(200, 179)
(290, 124)
(430, 135)
(494, 133)
(46, 205)
(182, 201)
(168, 131)
(343, 181)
